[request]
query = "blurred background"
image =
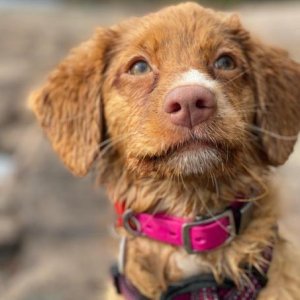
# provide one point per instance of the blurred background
(55, 236)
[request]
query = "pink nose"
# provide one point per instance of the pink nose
(189, 106)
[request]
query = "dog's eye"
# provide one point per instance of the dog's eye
(225, 62)
(139, 68)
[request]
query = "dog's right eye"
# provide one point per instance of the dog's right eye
(139, 68)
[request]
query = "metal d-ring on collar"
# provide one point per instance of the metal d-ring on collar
(131, 223)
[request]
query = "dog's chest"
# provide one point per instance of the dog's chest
(189, 265)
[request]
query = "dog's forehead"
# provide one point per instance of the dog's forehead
(185, 23)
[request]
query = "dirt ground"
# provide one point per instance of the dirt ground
(65, 242)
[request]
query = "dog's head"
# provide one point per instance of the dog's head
(184, 91)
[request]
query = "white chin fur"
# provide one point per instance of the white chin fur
(196, 162)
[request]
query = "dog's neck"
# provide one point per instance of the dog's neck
(187, 197)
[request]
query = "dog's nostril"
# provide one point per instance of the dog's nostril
(200, 103)
(175, 107)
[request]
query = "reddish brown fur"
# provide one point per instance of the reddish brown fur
(141, 161)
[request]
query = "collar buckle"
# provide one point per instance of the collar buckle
(230, 229)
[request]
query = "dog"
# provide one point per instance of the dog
(183, 114)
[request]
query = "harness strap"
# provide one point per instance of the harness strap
(124, 287)
(196, 289)
(204, 286)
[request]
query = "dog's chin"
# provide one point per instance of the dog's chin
(195, 162)
(191, 159)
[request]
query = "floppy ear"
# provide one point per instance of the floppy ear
(277, 79)
(68, 106)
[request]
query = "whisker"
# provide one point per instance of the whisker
(273, 134)
(234, 78)
(110, 142)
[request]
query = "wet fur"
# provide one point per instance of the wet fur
(96, 114)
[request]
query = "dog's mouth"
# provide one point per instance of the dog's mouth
(183, 148)
(192, 157)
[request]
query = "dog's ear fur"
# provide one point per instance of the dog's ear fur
(68, 106)
(277, 81)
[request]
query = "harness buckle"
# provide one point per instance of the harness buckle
(231, 229)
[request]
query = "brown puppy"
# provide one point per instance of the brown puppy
(180, 112)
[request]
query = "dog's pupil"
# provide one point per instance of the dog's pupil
(225, 62)
(140, 67)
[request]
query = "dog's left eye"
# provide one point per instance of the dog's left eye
(139, 68)
(225, 62)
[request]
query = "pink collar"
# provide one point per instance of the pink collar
(198, 235)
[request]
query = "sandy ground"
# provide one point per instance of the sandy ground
(65, 221)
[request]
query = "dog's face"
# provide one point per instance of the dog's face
(181, 92)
